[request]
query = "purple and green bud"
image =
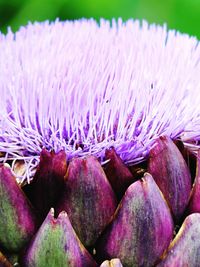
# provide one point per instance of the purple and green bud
(194, 205)
(18, 219)
(88, 198)
(170, 172)
(48, 183)
(119, 176)
(184, 250)
(56, 244)
(142, 227)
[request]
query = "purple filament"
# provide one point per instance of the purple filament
(84, 87)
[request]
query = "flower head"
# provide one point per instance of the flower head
(84, 87)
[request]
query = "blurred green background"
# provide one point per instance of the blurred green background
(183, 15)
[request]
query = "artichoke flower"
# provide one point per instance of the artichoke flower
(99, 145)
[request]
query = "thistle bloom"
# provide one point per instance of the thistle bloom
(100, 125)
(84, 87)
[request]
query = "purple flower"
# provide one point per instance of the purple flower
(85, 87)
(103, 122)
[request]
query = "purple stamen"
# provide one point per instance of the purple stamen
(84, 87)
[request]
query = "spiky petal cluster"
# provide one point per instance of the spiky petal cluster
(84, 87)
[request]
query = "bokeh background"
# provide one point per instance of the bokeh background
(182, 15)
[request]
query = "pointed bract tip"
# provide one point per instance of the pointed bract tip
(194, 204)
(86, 186)
(56, 244)
(142, 226)
(171, 173)
(18, 220)
(184, 249)
(117, 172)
